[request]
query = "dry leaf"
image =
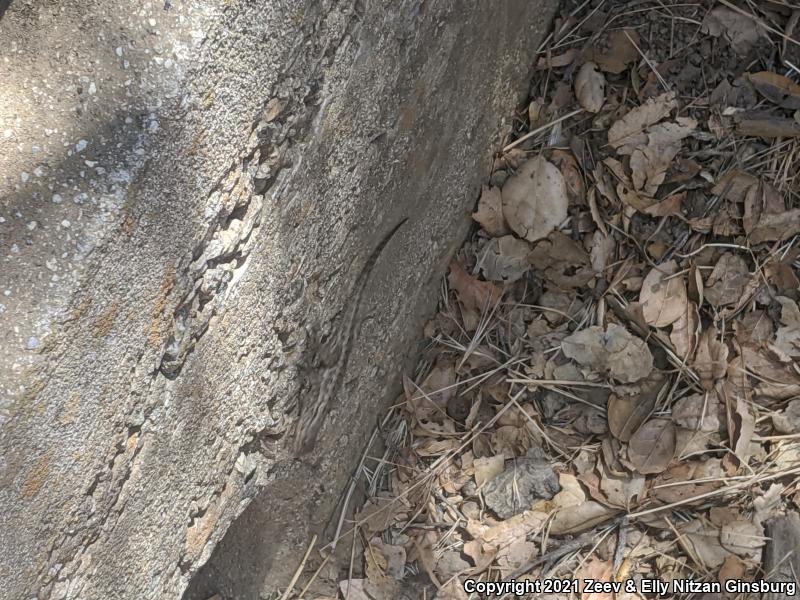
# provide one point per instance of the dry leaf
(481, 553)
(774, 379)
(428, 403)
(687, 480)
(630, 406)
(566, 162)
(787, 339)
(590, 87)
(744, 425)
(734, 185)
(535, 199)
(571, 493)
(699, 412)
(596, 570)
(776, 227)
(755, 204)
(620, 491)
(580, 518)
(487, 468)
(634, 199)
(622, 52)
(562, 261)
(360, 589)
(777, 89)
(394, 557)
(741, 31)
(684, 332)
(702, 541)
(650, 161)
(628, 133)
(375, 569)
(473, 294)
(711, 359)
(754, 329)
(490, 212)
(558, 61)
(743, 538)
(652, 447)
(378, 514)
(506, 259)
(769, 505)
(625, 357)
(663, 296)
(732, 569)
(669, 206)
(727, 282)
(788, 421)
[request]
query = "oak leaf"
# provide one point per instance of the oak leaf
(535, 199)
(628, 133)
(615, 350)
(590, 87)
(711, 359)
(663, 296)
(490, 212)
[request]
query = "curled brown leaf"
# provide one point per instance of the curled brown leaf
(663, 296)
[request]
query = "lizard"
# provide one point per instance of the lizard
(334, 353)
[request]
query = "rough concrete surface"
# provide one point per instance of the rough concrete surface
(187, 188)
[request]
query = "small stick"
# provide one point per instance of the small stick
(539, 130)
(647, 60)
(313, 577)
(718, 492)
(300, 568)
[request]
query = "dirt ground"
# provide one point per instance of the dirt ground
(610, 388)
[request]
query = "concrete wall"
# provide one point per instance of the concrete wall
(186, 190)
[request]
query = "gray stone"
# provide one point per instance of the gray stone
(524, 481)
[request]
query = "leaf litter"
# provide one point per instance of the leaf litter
(610, 387)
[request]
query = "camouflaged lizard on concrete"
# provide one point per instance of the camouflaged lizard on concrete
(333, 354)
